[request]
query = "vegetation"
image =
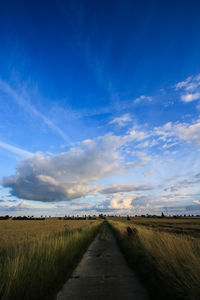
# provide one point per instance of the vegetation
(103, 233)
(168, 264)
(36, 257)
(179, 225)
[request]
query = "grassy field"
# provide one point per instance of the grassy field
(190, 225)
(36, 257)
(167, 263)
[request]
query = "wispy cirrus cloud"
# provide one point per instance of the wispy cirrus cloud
(122, 120)
(186, 183)
(125, 188)
(190, 88)
(24, 101)
(16, 150)
(189, 84)
(190, 133)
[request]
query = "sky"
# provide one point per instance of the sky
(100, 107)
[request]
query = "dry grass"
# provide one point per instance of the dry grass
(17, 232)
(190, 225)
(37, 256)
(168, 263)
(185, 225)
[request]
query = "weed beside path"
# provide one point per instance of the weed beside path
(39, 268)
(167, 264)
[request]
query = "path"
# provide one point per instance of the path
(103, 274)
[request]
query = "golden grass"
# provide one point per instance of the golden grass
(174, 260)
(36, 257)
(23, 231)
(186, 225)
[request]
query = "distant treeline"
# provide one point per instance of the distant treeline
(78, 218)
(94, 217)
(21, 218)
(28, 218)
(4, 217)
(43, 218)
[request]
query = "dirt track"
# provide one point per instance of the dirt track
(103, 274)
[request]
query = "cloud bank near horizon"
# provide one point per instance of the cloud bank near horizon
(72, 174)
(78, 172)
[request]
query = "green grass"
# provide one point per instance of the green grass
(168, 264)
(103, 232)
(38, 269)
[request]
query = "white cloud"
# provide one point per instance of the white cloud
(197, 201)
(138, 135)
(190, 97)
(121, 202)
(189, 84)
(69, 175)
(167, 146)
(143, 145)
(121, 121)
(190, 88)
(23, 205)
(190, 133)
(143, 98)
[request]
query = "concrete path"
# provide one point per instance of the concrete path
(103, 274)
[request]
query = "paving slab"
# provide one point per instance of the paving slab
(103, 274)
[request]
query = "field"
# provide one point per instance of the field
(165, 253)
(190, 225)
(36, 257)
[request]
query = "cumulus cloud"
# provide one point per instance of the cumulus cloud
(68, 175)
(125, 203)
(121, 201)
(76, 173)
(122, 120)
(125, 188)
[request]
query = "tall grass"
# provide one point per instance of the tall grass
(168, 264)
(38, 268)
(13, 233)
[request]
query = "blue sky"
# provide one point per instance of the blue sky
(100, 107)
